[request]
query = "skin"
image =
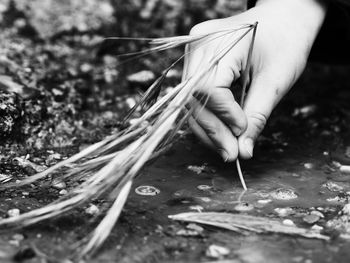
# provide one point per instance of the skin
(286, 32)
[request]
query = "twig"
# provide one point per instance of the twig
(245, 77)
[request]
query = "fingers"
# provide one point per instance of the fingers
(213, 132)
(264, 94)
(222, 103)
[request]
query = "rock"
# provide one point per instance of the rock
(204, 187)
(305, 111)
(345, 169)
(285, 211)
(58, 184)
(288, 222)
(63, 192)
(264, 201)
(311, 219)
(216, 251)
(142, 77)
(346, 209)
(317, 228)
(284, 194)
(92, 210)
(13, 212)
(18, 237)
(309, 166)
(317, 213)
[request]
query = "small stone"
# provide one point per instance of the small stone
(284, 194)
(288, 222)
(346, 209)
(25, 193)
(244, 207)
(264, 201)
(195, 227)
(18, 237)
(204, 187)
(141, 77)
(215, 251)
(309, 165)
(63, 192)
(92, 210)
(147, 190)
(345, 169)
(282, 212)
(317, 228)
(13, 212)
(58, 184)
(317, 213)
(311, 219)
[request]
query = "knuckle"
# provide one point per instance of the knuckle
(198, 29)
(258, 120)
(209, 128)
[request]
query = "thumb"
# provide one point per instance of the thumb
(264, 94)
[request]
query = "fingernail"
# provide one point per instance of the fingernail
(224, 155)
(236, 130)
(249, 146)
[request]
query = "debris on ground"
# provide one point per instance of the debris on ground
(147, 190)
(216, 251)
(237, 222)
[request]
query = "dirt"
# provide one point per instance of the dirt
(65, 91)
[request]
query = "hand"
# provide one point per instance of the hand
(286, 32)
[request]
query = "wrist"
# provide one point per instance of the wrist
(303, 15)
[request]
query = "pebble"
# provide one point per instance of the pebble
(13, 212)
(144, 76)
(204, 187)
(284, 194)
(147, 190)
(317, 228)
(317, 213)
(308, 165)
(195, 227)
(264, 201)
(346, 209)
(244, 207)
(18, 237)
(345, 169)
(311, 219)
(63, 192)
(282, 212)
(215, 251)
(288, 222)
(92, 210)
(58, 184)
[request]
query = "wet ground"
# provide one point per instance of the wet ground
(293, 175)
(65, 91)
